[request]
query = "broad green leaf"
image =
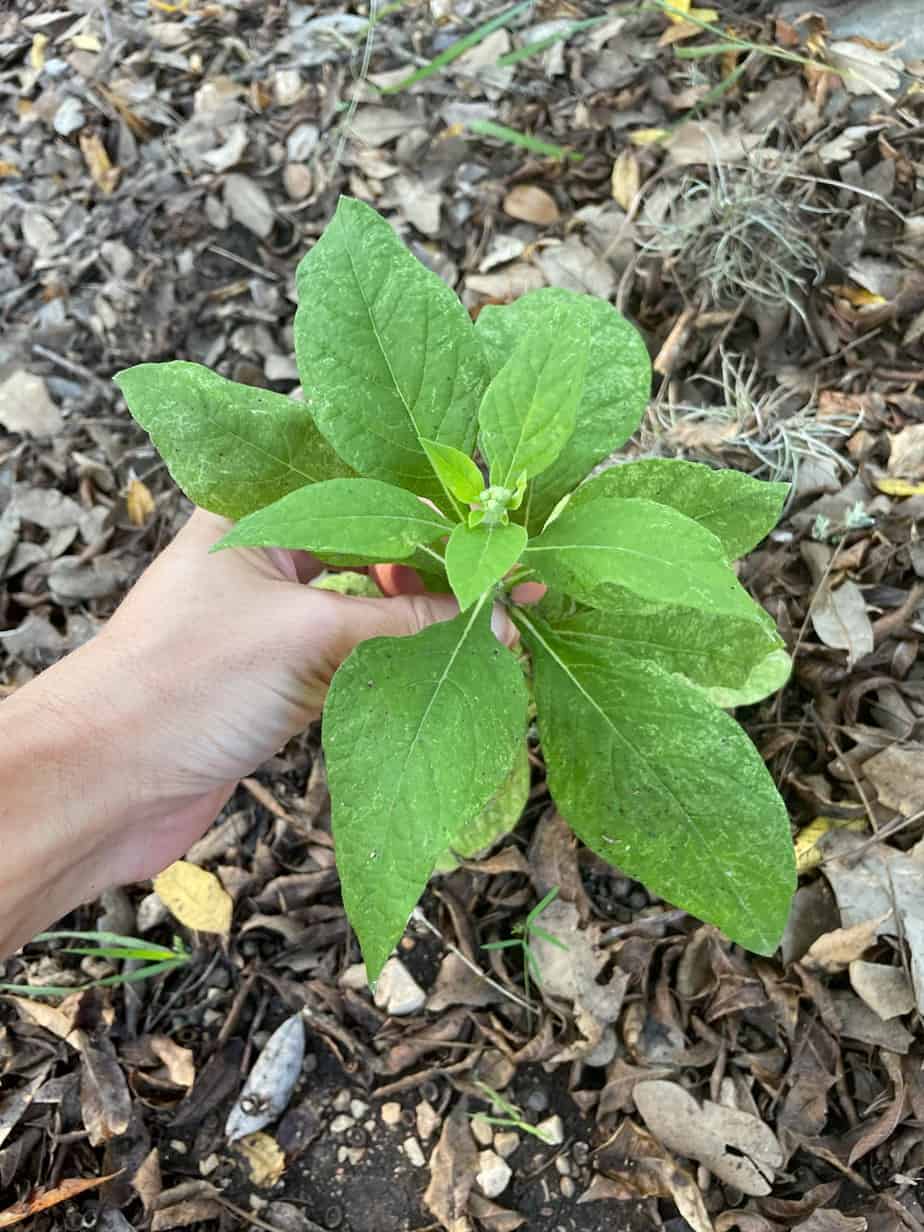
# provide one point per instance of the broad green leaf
(710, 649)
(738, 509)
(419, 732)
(477, 557)
(386, 351)
(455, 470)
(342, 518)
(617, 383)
(498, 817)
(528, 410)
(232, 449)
(664, 785)
(765, 678)
(637, 545)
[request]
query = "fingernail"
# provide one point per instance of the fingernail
(502, 626)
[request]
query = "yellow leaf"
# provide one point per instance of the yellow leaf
(86, 42)
(898, 487)
(625, 179)
(649, 136)
(264, 1158)
(105, 176)
(807, 854)
(37, 52)
(139, 502)
(859, 297)
(8, 169)
(706, 15)
(195, 897)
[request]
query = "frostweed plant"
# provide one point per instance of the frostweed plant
(463, 450)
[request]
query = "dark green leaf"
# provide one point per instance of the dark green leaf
(386, 351)
(342, 519)
(232, 449)
(419, 732)
(528, 411)
(664, 785)
(737, 509)
(617, 382)
(477, 557)
(637, 545)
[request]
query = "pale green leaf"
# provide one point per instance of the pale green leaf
(710, 649)
(386, 351)
(528, 410)
(637, 545)
(457, 472)
(477, 557)
(419, 732)
(498, 817)
(340, 519)
(766, 677)
(738, 509)
(617, 383)
(664, 785)
(232, 449)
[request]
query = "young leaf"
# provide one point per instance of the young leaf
(710, 649)
(231, 448)
(660, 782)
(617, 382)
(528, 410)
(477, 557)
(637, 545)
(360, 518)
(388, 355)
(419, 732)
(456, 471)
(738, 509)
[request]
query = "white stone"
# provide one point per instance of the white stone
(482, 1131)
(506, 1143)
(414, 1152)
(340, 1124)
(397, 992)
(358, 1109)
(562, 1165)
(354, 978)
(26, 405)
(341, 1101)
(493, 1174)
(566, 1185)
(427, 1119)
(178, 1147)
(391, 1113)
(552, 1130)
(604, 1052)
(208, 1165)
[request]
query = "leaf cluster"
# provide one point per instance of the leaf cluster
(464, 449)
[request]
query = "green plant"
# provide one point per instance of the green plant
(514, 1118)
(644, 613)
(523, 934)
(157, 958)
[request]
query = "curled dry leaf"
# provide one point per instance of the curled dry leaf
(839, 615)
(452, 1174)
(886, 990)
(44, 1199)
(529, 203)
(836, 950)
(267, 1091)
(736, 1146)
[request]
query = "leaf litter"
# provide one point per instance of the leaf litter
(154, 194)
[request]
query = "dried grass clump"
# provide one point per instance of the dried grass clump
(740, 235)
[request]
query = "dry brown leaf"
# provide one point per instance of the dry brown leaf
(249, 204)
(185, 1213)
(858, 1022)
(575, 266)
(43, 1200)
(263, 1157)
(625, 179)
(897, 773)
(104, 175)
(736, 1146)
(507, 284)
(139, 503)
(494, 1218)
(886, 990)
(452, 1174)
(147, 1182)
(529, 203)
(703, 141)
(178, 1061)
(838, 614)
(836, 950)
(105, 1102)
(26, 406)
(195, 897)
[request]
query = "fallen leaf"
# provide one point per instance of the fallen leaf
(886, 990)
(37, 52)
(269, 1087)
(838, 614)
(194, 897)
(835, 951)
(139, 502)
(26, 406)
(178, 1061)
(858, 1022)
(249, 204)
(625, 179)
(105, 1102)
(703, 141)
(453, 1165)
(832, 1221)
(263, 1157)
(736, 1146)
(906, 452)
(507, 284)
(649, 136)
(491, 1217)
(529, 203)
(104, 175)
(43, 1200)
(865, 69)
(575, 266)
(632, 1164)
(891, 486)
(897, 774)
(808, 852)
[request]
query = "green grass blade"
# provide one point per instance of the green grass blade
(487, 128)
(40, 990)
(131, 977)
(543, 44)
(501, 945)
(459, 47)
(148, 953)
(541, 933)
(88, 935)
(705, 50)
(543, 902)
